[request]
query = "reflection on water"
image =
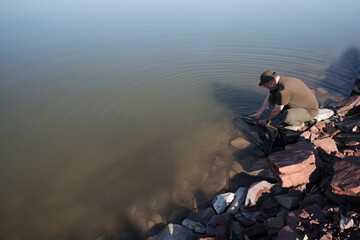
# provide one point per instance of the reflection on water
(116, 108)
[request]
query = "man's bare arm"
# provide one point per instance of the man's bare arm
(263, 107)
(274, 113)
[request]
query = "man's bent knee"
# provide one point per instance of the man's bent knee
(296, 116)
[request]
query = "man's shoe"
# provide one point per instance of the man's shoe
(294, 128)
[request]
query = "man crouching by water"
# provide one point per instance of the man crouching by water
(291, 98)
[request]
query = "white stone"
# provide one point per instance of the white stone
(239, 200)
(324, 113)
(222, 201)
(346, 223)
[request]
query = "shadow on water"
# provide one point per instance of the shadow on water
(339, 76)
(238, 101)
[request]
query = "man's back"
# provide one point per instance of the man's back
(294, 93)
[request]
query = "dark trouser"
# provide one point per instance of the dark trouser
(295, 116)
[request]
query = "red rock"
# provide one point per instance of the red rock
(256, 193)
(320, 125)
(327, 236)
(308, 220)
(348, 106)
(352, 151)
(346, 179)
(294, 165)
(268, 208)
(327, 144)
(331, 129)
(256, 231)
(352, 143)
(219, 227)
(287, 233)
(349, 126)
(314, 130)
(305, 134)
(244, 221)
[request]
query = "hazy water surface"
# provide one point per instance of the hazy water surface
(108, 107)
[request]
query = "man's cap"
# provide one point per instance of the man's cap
(267, 76)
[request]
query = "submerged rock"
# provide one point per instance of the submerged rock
(240, 143)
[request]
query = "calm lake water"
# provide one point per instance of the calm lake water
(113, 109)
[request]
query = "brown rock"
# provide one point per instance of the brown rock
(352, 151)
(314, 130)
(219, 227)
(294, 165)
(256, 231)
(307, 221)
(306, 135)
(348, 137)
(348, 106)
(327, 236)
(346, 179)
(331, 129)
(352, 144)
(327, 144)
(348, 126)
(268, 208)
(244, 221)
(320, 125)
(287, 233)
(256, 192)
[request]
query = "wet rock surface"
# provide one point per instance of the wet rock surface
(317, 194)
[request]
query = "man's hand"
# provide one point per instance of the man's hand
(263, 122)
(256, 116)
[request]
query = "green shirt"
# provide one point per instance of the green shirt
(295, 94)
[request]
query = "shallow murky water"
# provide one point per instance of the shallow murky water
(112, 108)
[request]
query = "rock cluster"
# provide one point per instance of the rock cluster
(316, 196)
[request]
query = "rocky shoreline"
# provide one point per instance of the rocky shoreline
(314, 194)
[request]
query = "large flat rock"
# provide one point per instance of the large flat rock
(346, 179)
(327, 144)
(348, 106)
(294, 165)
